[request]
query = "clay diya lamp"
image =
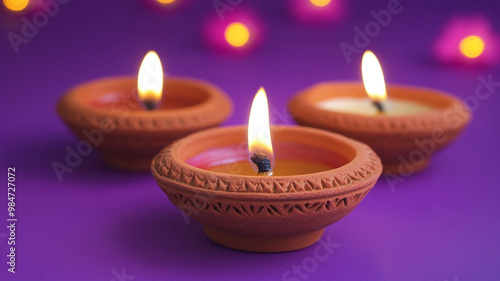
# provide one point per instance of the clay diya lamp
(404, 129)
(317, 179)
(129, 122)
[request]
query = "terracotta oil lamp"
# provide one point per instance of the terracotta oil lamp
(129, 120)
(404, 129)
(281, 203)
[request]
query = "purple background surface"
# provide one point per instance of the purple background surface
(440, 224)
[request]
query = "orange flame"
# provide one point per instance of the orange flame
(150, 81)
(259, 133)
(373, 77)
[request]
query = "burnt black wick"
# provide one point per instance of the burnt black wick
(262, 162)
(379, 106)
(149, 105)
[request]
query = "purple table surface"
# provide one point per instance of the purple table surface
(100, 223)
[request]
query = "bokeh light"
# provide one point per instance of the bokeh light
(237, 34)
(318, 11)
(165, 1)
(468, 41)
(320, 3)
(472, 46)
(16, 5)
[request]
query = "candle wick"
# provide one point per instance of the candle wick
(379, 106)
(262, 163)
(149, 105)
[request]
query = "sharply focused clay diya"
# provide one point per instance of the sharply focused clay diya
(318, 178)
(404, 129)
(128, 132)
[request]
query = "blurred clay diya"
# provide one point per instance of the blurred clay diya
(404, 129)
(128, 122)
(317, 179)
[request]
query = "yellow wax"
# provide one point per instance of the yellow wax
(283, 167)
(365, 106)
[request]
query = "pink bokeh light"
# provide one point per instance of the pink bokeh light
(166, 6)
(447, 46)
(215, 27)
(306, 11)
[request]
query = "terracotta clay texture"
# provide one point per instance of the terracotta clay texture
(107, 114)
(266, 214)
(404, 143)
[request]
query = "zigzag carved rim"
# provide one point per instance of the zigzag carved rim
(169, 167)
(195, 206)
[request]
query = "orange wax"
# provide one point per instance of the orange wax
(282, 167)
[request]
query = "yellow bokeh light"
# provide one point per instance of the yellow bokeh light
(472, 46)
(16, 5)
(320, 3)
(237, 34)
(165, 1)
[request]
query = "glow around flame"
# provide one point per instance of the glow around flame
(150, 79)
(259, 133)
(373, 77)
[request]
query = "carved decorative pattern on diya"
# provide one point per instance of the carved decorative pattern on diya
(272, 213)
